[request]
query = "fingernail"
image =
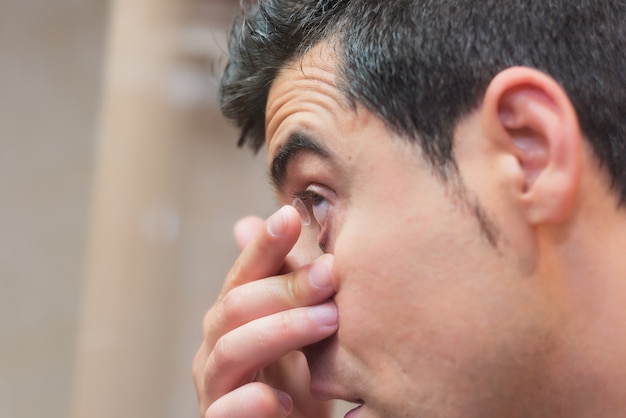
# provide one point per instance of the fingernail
(285, 401)
(277, 223)
(320, 273)
(324, 314)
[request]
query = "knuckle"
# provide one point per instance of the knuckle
(197, 366)
(207, 323)
(230, 306)
(283, 326)
(292, 288)
(210, 321)
(221, 358)
(236, 270)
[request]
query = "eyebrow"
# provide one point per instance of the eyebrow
(296, 144)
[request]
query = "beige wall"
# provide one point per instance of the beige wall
(120, 184)
(170, 183)
(50, 60)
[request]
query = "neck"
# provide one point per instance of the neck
(590, 261)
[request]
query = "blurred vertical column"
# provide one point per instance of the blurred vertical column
(128, 305)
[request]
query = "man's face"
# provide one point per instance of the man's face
(434, 320)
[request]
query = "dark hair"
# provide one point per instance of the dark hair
(421, 65)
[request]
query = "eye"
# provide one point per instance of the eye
(319, 207)
(310, 203)
(317, 204)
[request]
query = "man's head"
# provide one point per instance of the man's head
(401, 124)
(422, 65)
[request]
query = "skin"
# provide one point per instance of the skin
(228, 369)
(435, 319)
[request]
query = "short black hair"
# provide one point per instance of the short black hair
(421, 65)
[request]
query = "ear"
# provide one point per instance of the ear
(529, 115)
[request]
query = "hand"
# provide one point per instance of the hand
(247, 363)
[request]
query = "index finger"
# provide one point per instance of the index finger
(266, 252)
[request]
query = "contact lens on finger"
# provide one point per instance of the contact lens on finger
(305, 217)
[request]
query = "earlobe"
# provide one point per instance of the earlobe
(530, 116)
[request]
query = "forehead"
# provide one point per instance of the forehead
(304, 87)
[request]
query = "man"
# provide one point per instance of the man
(462, 164)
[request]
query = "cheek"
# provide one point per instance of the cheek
(418, 289)
(440, 331)
(392, 281)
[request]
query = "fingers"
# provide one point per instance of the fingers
(308, 286)
(258, 322)
(240, 353)
(260, 317)
(255, 399)
(265, 253)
